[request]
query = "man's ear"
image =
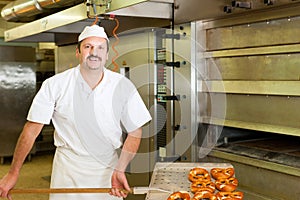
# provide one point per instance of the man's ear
(77, 53)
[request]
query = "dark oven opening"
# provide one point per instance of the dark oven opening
(272, 147)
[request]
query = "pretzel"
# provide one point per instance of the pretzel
(226, 185)
(218, 173)
(204, 195)
(198, 174)
(179, 195)
(230, 196)
(203, 186)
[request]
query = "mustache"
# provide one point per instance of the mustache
(97, 57)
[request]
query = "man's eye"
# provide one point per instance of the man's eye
(87, 46)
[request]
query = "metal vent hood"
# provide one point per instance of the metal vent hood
(64, 26)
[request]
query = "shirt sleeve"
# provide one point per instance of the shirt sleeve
(42, 106)
(135, 113)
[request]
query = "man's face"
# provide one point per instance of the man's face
(93, 53)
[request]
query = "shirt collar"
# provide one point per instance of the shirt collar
(83, 84)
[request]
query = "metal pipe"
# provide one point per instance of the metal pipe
(22, 10)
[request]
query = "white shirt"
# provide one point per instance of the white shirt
(114, 101)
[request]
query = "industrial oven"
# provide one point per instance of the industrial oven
(253, 62)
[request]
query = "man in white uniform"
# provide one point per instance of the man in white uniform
(88, 105)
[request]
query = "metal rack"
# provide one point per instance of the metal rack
(174, 177)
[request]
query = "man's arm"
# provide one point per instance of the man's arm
(130, 147)
(25, 142)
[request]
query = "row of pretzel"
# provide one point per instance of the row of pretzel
(203, 186)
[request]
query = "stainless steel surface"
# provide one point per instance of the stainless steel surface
(27, 10)
(145, 190)
(194, 101)
(24, 10)
(178, 82)
(284, 88)
(160, 9)
(174, 177)
(276, 114)
(146, 9)
(184, 11)
(259, 179)
(271, 128)
(257, 72)
(256, 51)
(72, 20)
(263, 15)
(65, 17)
(17, 88)
(192, 10)
(255, 34)
(252, 59)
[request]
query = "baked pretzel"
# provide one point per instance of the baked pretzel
(198, 174)
(203, 186)
(218, 173)
(204, 195)
(230, 195)
(226, 184)
(180, 195)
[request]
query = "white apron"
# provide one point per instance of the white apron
(68, 171)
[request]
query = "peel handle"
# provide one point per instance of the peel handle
(62, 190)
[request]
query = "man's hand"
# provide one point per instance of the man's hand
(130, 147)
(119, 183)
(6, 184)
(25, 142)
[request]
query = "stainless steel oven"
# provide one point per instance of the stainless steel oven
(249, 100)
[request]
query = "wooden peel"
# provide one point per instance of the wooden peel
(62, 190)
(134, 190)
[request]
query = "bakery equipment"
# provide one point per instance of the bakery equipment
(259, 134)
(17, 88)
(174, 177)
(134, 190)
(167, 178)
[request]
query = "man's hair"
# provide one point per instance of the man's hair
(79, 43)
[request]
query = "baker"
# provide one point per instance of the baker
(89, 106)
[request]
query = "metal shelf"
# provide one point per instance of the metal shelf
(174, 177)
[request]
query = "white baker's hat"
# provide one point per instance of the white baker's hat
(93, 30)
